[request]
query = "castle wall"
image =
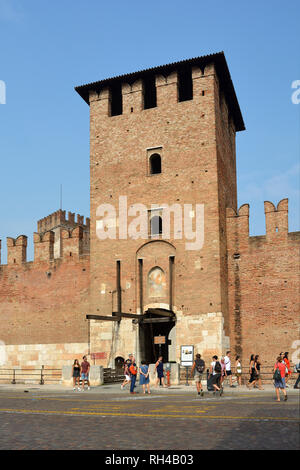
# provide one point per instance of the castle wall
(43, 303)
(263, 274)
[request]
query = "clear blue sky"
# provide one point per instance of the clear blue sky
(47, 48)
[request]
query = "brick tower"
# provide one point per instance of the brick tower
(162, 136)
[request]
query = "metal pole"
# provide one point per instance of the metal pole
(42, 378)
(14, 377)
(187, 376)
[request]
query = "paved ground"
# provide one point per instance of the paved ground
(51, 417)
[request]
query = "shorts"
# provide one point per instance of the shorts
(280, 383)
(127, 377)
(216, 379)
(84, 376)
(198, 376)
(238, 374)
(228, 372)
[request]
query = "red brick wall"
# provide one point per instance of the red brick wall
(263, 275)
(186, 131)
(44, 301)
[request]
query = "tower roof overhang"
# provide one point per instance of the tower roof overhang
(221, 68)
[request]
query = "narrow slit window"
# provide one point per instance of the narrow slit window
(185, 85)
(155, 164)
(149, 93)
(116, 105)
(156, 225)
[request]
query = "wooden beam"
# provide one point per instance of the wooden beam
(127, 315)
(102, 317)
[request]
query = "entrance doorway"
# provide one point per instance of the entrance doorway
(156, 322)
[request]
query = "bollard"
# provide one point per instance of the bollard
(168, 378)
(187, 376)
(14, 377)
(42, 376)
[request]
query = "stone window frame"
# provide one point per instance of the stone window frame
(157, 212)
(149, 152)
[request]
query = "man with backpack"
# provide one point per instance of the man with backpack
(215, 371)
(198, 367)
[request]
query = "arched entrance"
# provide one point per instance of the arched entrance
(156, 322)
(119, 362)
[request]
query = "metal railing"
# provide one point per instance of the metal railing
(40, 375)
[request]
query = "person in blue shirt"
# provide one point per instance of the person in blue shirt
(144, 377)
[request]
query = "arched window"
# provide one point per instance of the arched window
(156, 225)
(155, 164)
(156, 282)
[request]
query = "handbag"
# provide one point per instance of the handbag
(277, 374)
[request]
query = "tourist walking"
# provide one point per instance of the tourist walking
(223, 372)
(85, 369)
(238, 370)
(144, 377)
(252, 371)
(288, 368)
(159, 366)
(127, 364)
(279, 378)
(297, 370)
(198, 367)
(228, 367)
(76, 374)
(258, 370)
(133, 373)
(215, 372)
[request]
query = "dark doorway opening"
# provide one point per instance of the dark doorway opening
(119, 362)
(159, 326)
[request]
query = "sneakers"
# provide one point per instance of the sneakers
(221, 392)
(89, 388)
(122, 386)
(202, 393)
(285, 398)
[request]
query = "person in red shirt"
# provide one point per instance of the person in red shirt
(85, 368)
(279, 383)
(288, 365)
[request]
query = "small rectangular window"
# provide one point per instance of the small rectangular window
(149, 92)
(185, 84)
(116, 105)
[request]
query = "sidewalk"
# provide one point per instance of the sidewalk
(115, 389)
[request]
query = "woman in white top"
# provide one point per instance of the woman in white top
(238, 370)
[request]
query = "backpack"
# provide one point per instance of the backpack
(200, 365)
(277, 374)
(132, 369)
(218, 367)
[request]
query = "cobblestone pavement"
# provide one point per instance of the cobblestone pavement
(162, 421)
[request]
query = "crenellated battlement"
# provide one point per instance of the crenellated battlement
(57, 235)
(189, 80)
(16, 249)
(74, 243)
(59, 218)
(276, 219)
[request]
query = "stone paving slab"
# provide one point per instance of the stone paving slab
(116, 420)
